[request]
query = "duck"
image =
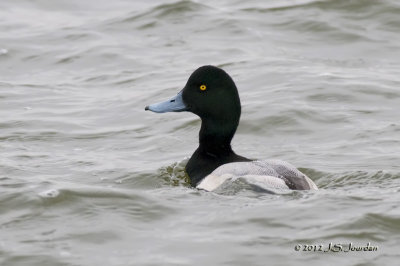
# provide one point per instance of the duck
(211, 94)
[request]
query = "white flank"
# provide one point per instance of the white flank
(211, 182)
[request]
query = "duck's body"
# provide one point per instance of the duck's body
(203, 162)
(269, 175)
(211, 94)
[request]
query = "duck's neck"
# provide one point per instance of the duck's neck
(215, 136)
(214, 149)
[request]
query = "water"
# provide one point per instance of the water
(88, 178)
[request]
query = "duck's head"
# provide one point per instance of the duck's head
(209, 93)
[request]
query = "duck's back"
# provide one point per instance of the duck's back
(274, 174)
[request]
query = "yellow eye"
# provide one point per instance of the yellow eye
(203, 87)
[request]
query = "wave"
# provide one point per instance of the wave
(163, 11)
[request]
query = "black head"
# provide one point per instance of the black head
(211, 94)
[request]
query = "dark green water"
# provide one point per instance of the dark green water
(87, 177)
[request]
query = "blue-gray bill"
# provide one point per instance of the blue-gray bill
(174, 104)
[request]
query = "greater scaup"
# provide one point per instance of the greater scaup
(211, 94)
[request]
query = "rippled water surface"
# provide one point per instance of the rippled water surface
(87, 177)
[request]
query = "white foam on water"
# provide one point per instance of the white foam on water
(51, 193)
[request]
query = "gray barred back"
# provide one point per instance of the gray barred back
(292, 177)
